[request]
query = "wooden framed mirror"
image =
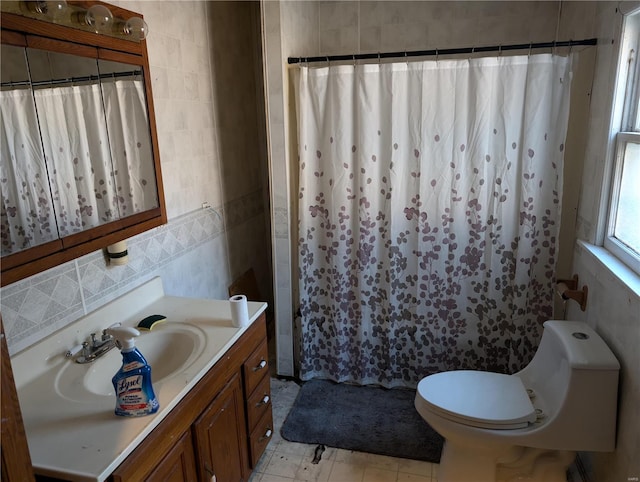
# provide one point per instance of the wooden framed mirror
(79, 159)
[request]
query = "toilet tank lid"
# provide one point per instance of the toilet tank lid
(582, 345)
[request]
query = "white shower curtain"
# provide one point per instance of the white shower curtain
(428, 214)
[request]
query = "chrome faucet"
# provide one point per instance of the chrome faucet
(93, 349)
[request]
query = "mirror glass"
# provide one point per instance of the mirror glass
(77, 149)
(123, 91)
(26, 206)
(73, 128)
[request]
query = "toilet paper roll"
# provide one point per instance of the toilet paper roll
(562, 289)
(239, 311)
(118, 254)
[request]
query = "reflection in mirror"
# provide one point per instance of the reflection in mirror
(75, 140)
(26, 209)
(129, 136)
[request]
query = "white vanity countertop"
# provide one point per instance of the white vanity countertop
(83, 440)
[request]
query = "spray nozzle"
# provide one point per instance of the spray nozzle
(124, 336)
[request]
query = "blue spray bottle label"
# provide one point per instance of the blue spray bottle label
(134, 393)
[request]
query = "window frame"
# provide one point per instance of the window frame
(611, 243)
(627, 131)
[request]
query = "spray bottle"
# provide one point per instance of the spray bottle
(134, 394)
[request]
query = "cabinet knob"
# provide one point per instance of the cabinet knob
(261, 365)
(266, 435)
(264, 401)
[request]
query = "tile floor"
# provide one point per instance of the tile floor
(285, 461)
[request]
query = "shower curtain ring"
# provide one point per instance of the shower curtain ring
(570, 46)
(436, 55)
(328, 63)
(530, 45)
(378, 57)
(406, 59)
(354, 61)
(500, 50)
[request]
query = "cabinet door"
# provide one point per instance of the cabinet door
(221, 440)
(178, 465)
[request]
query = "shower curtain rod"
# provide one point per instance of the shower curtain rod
(87, 78)
(422, 53)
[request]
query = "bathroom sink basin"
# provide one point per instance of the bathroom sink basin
(169, 349)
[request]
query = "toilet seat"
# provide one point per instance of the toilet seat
(477, 398)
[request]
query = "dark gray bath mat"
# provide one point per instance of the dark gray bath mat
(366, 419)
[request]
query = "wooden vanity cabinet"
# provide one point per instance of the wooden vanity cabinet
(258, 401)
(179, 465)
(220, 436)
(220, 428)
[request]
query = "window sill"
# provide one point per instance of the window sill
(625, 275)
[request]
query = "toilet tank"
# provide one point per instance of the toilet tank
(575, 377)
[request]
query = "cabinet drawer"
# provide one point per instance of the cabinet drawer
(259, 402)
(255, 368)
(260, 437)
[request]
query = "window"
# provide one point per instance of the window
(623, 228)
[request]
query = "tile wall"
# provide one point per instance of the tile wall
(613, 307)
(190, 254)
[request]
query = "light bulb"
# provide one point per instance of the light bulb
(137, 27)
(99, 18)
(48, 8)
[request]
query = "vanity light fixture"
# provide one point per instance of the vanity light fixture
(136, 27)
(99, 18)
(48, 8)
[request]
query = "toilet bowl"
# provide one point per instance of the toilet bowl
(526, 426)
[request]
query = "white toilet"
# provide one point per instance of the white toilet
(526, 426)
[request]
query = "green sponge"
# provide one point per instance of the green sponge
(150, 321)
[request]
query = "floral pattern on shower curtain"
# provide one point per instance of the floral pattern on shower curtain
(429, 211)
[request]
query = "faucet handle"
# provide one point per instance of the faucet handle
(86, 351)
(94, 342)
(73, 351)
